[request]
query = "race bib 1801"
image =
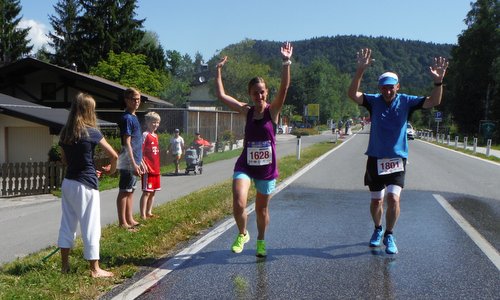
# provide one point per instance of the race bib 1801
(389, 165)
(259, 153)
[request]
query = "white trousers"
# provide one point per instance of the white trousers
(80, 203)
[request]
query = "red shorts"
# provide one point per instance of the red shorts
(151, 183)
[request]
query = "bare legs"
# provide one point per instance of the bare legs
(240, 195)
(146, 205)
(95, 270)
(262, 214)
(392, 213)
(177, 160)
(64, 260)
(124, 203)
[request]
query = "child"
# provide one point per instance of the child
(80, 200)
(130, 159)
(177, 149)
(151, 160)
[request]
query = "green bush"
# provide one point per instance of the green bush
(55, 153)
(304, 131)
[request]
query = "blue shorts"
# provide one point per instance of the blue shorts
(127, 181)
(265, 187)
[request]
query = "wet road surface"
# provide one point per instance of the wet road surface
(318, 241)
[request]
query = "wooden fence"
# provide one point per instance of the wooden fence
(32, 178)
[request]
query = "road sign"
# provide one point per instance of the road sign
(438, 116)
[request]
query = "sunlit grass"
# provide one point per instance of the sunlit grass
(468, 151)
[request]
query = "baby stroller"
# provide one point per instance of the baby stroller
(194, 160)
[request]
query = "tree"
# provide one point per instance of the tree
(174, 58)
(14, 42)
(105, 26)
(321, 83)
(182, 69)
(473, 75)
(155, 55)
(287, 112)
(176, 92)
(243, 65)
(131, 70)
(64, 37)
(43, 54)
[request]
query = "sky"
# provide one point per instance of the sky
(207, 26)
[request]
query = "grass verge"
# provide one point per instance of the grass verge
(123, 252)
(467, 151)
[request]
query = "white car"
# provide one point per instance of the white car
(282, 129)
(410, 132)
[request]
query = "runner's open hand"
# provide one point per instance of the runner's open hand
(438, 69)
(286, 51)
(364, 58)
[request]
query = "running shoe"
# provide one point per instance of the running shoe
(390, 243)
(261, 248)
(240, 241)
(376, 237)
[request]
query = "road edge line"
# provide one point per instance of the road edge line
(473, 234)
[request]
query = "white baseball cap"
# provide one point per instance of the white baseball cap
(388, 78)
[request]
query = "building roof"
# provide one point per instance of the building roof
(54, 118)
(28, 65)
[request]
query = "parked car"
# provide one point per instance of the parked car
(410, 132)
(282, 129)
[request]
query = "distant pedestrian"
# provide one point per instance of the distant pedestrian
(130, 159)
(151, 181)
(339, 126)
(177, 149)
(388, 145)
(333, 126)
(80, 200)
(257, 161)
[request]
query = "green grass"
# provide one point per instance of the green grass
(123, 252)
(470, 152)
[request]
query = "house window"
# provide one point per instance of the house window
(48, 91)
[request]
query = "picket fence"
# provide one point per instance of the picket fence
(31, 178)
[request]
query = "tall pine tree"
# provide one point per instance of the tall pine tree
(13, 41)
(105, 26)
(473, 75)
(64, 37)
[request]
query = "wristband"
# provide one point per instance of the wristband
(287, 62)
(438, 83)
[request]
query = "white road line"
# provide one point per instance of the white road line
(475, 236)
(143, 284)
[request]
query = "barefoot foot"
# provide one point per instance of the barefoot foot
(100, 273)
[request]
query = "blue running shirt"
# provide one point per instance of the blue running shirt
(388, 124)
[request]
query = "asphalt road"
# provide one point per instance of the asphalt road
(448, 237)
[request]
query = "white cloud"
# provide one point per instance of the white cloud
(37, 33)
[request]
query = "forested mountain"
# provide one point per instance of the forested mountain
(323, 66)
(409, 59)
